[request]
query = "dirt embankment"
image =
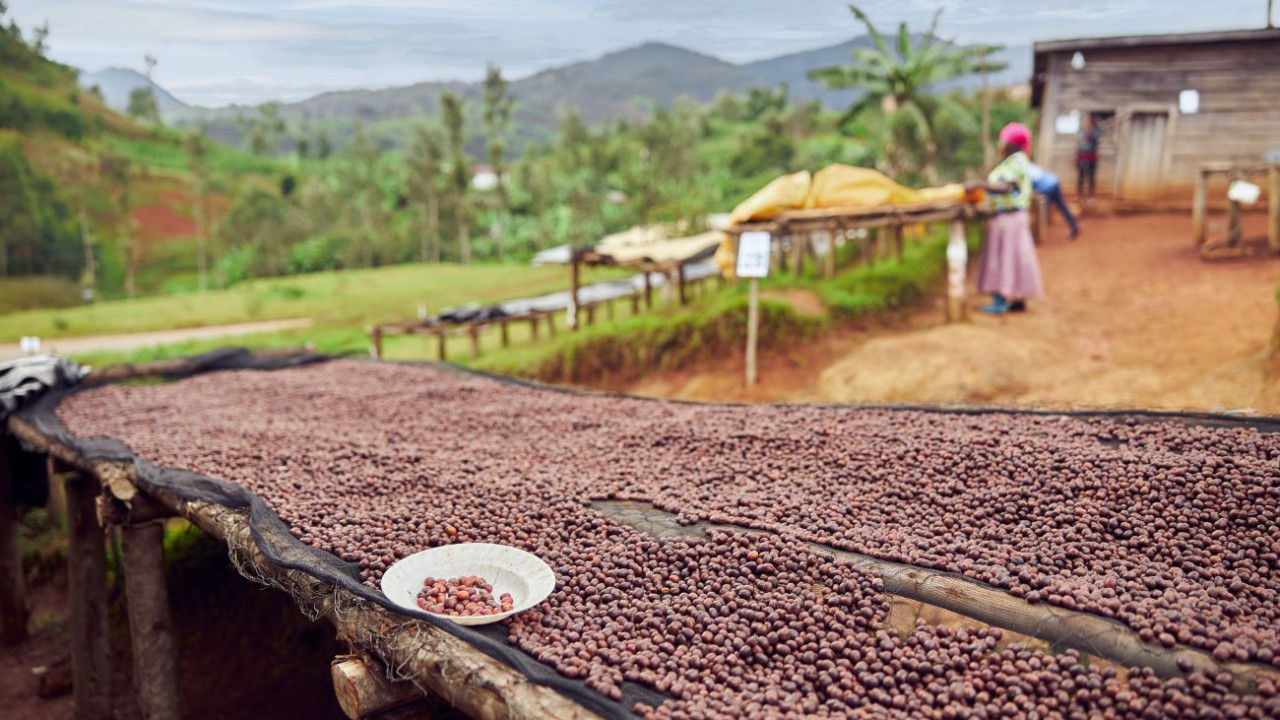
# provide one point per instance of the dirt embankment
(1132, 318)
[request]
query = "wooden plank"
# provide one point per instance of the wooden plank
(574, 281)
(155, 654)
(474, 333)
(1198, 208)
(506, 337)
(1273, 208)
(684, 299)
(87, 590)
(440, 343)
(13, 586)
(648, 290)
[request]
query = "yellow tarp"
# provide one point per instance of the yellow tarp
(831, 187)
(848, 186)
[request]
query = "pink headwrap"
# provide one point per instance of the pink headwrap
(1017, 135)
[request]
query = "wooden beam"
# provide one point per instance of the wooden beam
(377, 343)
(551, 325)
(1273, 208)
(13, 586)
(573, 290)
(87, 589)
(363, 693)
(473, 331)
(506, 336)
(635, 304)
(440, 343)
(684, 298)
(648, 290)
(155, 654)
(533, 327)
(1198, 207)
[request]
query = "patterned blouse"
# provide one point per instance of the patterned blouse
(1015, 170)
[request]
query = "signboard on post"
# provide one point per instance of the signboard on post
(754, 250)
(753, 254)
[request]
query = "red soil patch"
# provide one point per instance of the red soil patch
(162, 222)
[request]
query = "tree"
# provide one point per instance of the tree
(142, 105)
(460, 172)
(897, 79)
(197, 148)
(426, 156)
(497, 116)
(115, 168)
(265, 130)
(361, 186)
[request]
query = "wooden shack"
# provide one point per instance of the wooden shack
(1168, 104)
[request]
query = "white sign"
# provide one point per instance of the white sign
(753, 254)
(1189, 102)
(1068, 124)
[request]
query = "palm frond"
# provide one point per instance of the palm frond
(876, 37)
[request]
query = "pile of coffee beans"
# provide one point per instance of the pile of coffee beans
(1169, 528)
(468, 596)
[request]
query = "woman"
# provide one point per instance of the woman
(1009, 269)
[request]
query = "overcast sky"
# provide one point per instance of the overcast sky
(215, 52)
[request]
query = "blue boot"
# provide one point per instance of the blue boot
(999, 305)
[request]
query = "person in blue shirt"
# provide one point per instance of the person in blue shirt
(1047, 184)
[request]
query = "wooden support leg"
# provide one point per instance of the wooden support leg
(377, 343)
(648, 291)
(684, 298)
(87, 588)
(440, 342)
(13, 586)
(551, 325)
(506, 336)
(897, 240)
(591, 314)
(635, 304)
(1235, 228)
(957, 264)
(155, 656)
(608, 309)
(1273, 208)
(533, 327)
(830, 269)
(1198, 208)
(474, 333)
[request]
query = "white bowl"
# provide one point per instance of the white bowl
(507, 569)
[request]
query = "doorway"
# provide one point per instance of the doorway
(1142, 156)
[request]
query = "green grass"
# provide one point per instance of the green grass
(29, 293)
(347, 298)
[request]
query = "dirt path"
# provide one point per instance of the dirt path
(1133, 318)
(69, 346)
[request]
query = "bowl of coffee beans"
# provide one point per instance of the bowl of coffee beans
(469, 583)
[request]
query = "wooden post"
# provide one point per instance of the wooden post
(551, 325)
(684, 299)
(533, 326)
(474, 332)
(591, 314)
(608, 308)
(502, 327)
(1198, 207)
(797, 251)
(13, 586)
(155, 655)
(440, 343)
(753, 329)
(87, 589)
(573, 291)
(1042, 219)
(635, 304)
(957, 264)
(830, 270)
(897, 239)
(362, 693)
(1273, 208)
(377, 342)
(648, 290)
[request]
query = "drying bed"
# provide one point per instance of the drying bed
(1167, 527)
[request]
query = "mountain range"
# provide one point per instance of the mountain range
(116, 84)
(619, 84)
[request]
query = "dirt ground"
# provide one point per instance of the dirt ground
(1132, 318)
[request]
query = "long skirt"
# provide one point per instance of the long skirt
(1009, 265)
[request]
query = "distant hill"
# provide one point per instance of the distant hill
(117, 83)
(619, 84)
